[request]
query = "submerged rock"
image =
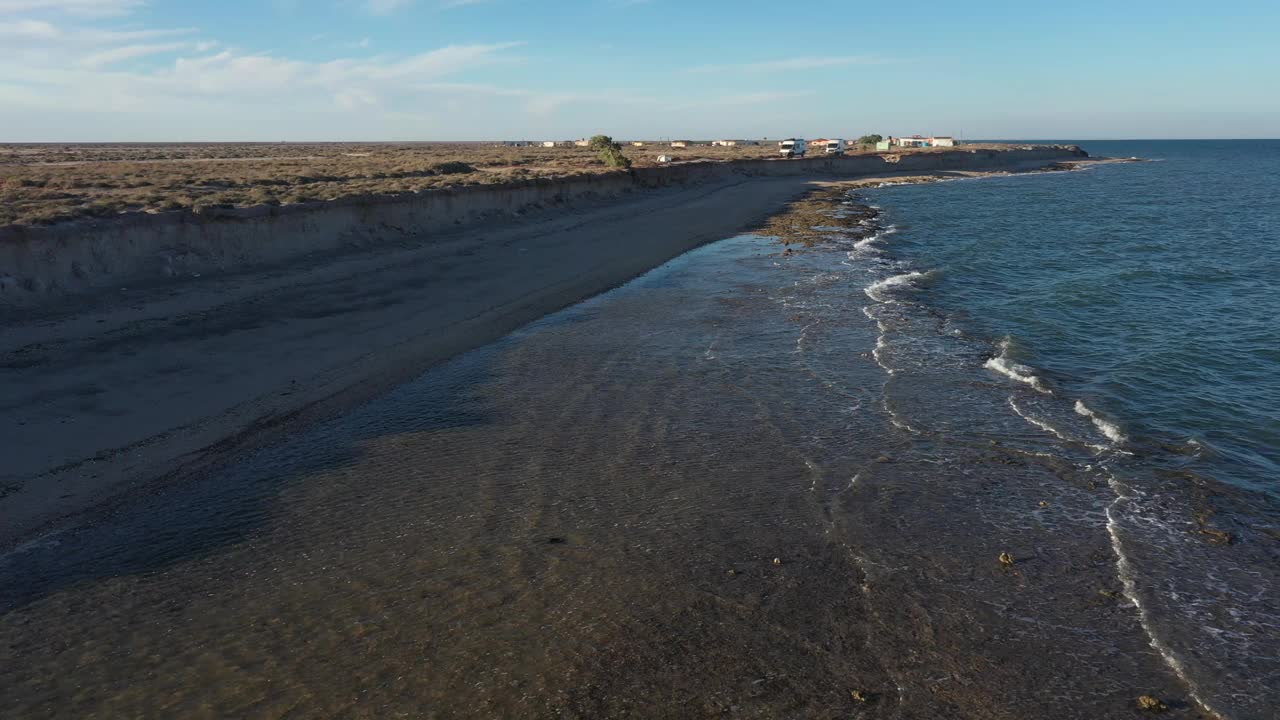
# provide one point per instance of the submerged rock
(1151, 703)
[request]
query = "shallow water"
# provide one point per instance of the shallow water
(744, 484)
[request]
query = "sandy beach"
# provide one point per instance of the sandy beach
(148, 385)
(725, 488)
(144, 384)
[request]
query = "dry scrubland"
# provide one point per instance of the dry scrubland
(41, 184)
(49, 183)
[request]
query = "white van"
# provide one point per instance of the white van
(792, 147)
(835, 147)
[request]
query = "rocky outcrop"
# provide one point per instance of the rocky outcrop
(39, 264)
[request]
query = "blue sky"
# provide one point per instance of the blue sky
(116, 70)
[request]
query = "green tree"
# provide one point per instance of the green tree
(869, 139)
(610, 152)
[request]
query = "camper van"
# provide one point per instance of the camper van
(835, 147)
(792, 147)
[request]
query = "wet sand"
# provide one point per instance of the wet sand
(725, 489)
(691, 497)
(143, 384)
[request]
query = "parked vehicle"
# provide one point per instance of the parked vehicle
(792, 147)
(835, 147)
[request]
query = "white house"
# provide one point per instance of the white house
(679, 143)
(942, 141)
(548, 143)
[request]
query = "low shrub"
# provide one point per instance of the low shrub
(453, 167)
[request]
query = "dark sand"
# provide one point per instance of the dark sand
(111, 392)
(137, 384)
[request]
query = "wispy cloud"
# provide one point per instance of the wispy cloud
(94, 8)
(29, 29)
(386, 7)
(797, 63)
(74, 38)
(128, 52)
(160, 83)
(91, 81)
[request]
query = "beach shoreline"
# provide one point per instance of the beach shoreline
(157, 384)
(726, 486)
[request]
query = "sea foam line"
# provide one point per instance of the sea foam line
(868, 244)
(1004, 365)
(1036, 422)
(1130, 590)
(877, 290)
(1110, 429)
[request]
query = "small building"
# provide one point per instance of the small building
(913, 141)
(726, 143)
(944, 141)
(679, 143)
(820, 142)
(636, 143)
(884, 145)
(582, 143)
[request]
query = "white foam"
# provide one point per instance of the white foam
(1124, 571)
(1037, 422)
(801, 338)
(867, 244)
(878, 291)
(1014, 370)
(877, 354)
(1110, 429)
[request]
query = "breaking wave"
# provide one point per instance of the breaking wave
(1106, 427)
(881, 289)
(1014, 370)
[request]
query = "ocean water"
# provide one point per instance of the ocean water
(1133, 312)
(754, 484)
(1150, 293)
